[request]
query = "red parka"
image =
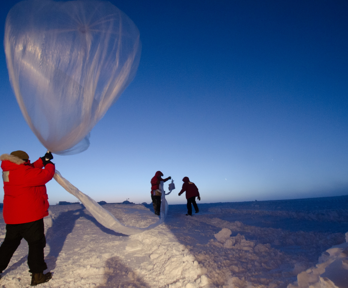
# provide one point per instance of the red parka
(156, 180)
(190, 188)
(25, 196)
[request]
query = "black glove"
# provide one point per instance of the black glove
(48, 156)
(45, 161)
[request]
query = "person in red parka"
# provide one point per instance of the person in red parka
(156, 192)
(24, 207)
(191, 194)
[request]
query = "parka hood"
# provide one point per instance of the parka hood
(11, 158)
(159, 174)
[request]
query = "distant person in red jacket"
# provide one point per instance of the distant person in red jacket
(156, 193)
(191, 194)
(25, 206)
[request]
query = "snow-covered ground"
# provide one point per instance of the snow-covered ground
(245, 244)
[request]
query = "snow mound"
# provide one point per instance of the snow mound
(223, 235)
(330, 272)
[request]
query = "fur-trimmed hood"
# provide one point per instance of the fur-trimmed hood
(11, 158)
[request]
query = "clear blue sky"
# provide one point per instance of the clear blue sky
(247, 98)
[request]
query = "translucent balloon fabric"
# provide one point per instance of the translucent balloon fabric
(103, 216)
(68, 62)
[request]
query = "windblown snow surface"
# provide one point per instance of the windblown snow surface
(289, 243)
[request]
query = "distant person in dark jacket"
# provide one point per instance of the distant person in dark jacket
(191, 194)
(25, 206)
(156, 193)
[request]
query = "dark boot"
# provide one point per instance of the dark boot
(38, 278)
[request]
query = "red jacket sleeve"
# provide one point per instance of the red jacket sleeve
(39, 176)
(38, 163)
(183, 189)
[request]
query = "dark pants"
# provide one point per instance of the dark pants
(192, 201)
(156, 202)
(33, 233)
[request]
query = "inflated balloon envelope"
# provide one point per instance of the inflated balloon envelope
(68, 62)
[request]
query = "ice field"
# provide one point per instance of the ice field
(287, 243)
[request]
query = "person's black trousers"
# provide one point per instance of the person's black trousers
(192, 201)
(34, 234)
(156, 202)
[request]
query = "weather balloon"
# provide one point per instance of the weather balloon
(68, 62)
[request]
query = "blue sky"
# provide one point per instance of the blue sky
(247, 98)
